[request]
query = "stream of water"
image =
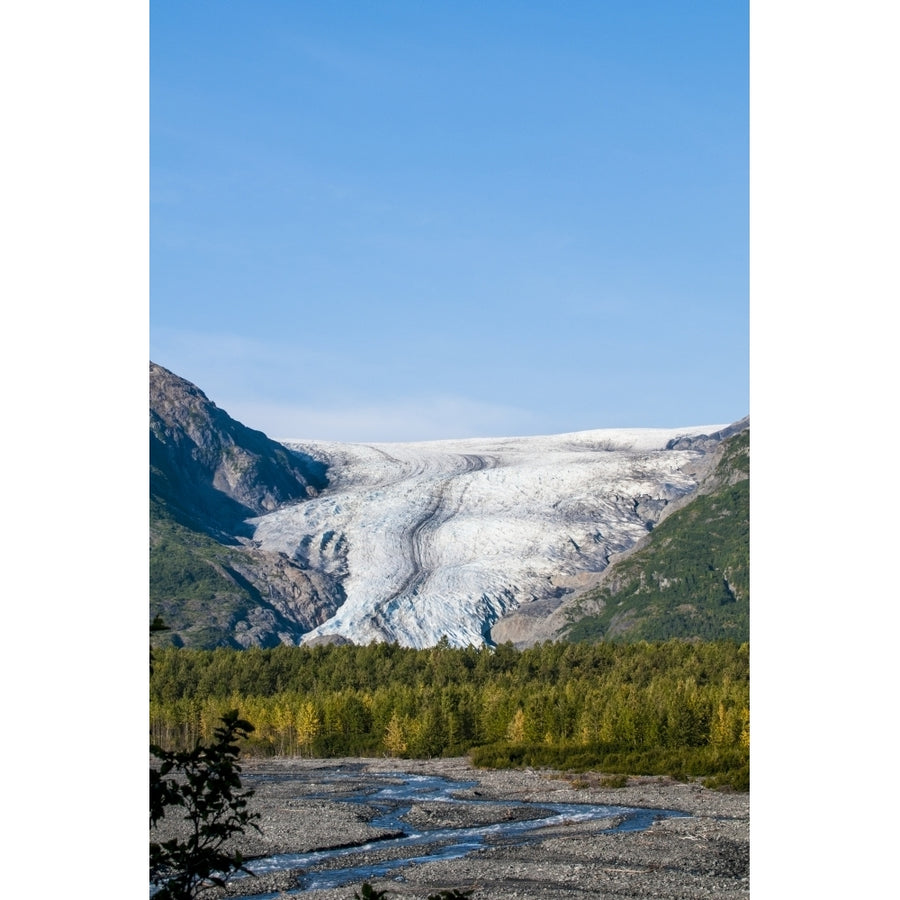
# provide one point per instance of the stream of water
(393, 796)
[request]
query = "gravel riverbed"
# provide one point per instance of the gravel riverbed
(702, 855)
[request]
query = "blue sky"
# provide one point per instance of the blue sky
(406, 220)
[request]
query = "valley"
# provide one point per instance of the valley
(445, 538)
(255, 542)
(415, 827)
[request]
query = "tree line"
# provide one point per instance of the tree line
(673, 706)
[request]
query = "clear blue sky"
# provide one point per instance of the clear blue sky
(408, 220)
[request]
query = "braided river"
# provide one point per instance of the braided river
(399, 804)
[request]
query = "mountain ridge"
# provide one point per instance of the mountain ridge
(208, 475)
(211, 468)
(256, 542)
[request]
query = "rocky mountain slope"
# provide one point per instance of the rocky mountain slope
(212, 471)
(208, 475)
(482, 540)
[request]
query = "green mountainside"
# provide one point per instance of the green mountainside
(216, 594)
(208, 473)
(194, 584)
(188, 585)
(690, 578)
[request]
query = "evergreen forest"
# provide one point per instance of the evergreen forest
(667, 707)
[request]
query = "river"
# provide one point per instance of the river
(428, 818)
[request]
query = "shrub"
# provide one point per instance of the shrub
(205, 782)
(370, 893)
(614, 781)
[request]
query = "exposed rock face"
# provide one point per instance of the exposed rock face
(290, 601)
(708, 441)
(531, 624)
(211, 467)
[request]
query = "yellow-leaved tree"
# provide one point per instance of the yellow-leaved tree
(306, 725)
(394, 736)
(515, 732)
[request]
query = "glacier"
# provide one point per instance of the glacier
(443, 538)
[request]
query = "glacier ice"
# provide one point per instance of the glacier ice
(442, 538)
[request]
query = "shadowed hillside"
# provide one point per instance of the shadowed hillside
(208, 474)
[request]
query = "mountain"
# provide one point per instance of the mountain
(481, 540)
(208, 475)
(213, 472)
(688, 578)
(691, 577)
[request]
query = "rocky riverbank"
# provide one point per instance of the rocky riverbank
(704, 854)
